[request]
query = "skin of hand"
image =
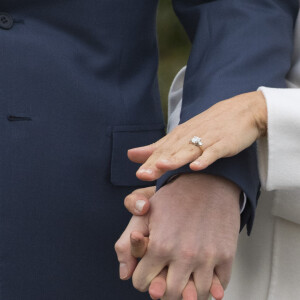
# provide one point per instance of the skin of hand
(189, 232)
(138, 204)
(226, 129)
(158, 286)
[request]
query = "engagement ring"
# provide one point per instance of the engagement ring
(196, 141)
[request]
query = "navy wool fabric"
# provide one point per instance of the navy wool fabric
(237, 47)
(78, 87)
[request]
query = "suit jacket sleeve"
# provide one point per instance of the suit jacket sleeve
(237, 46)
(279, 153)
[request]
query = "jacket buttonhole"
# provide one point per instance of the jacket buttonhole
(18, 118)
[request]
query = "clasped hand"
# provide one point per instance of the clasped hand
(193, 227)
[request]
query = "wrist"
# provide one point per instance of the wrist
(212, 184)
(260, 112)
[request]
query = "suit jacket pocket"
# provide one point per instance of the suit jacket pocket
(127, 137)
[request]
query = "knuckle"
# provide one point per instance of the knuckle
(160, 249)
(215, 150)
(127, 201)
(157, 153)
(189, 254)
(208, 254)
(177, 132)
(227, 256)
(120, 247)
(159, 150)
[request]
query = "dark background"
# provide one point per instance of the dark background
(174, 48)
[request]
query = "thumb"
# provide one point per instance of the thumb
(137, 202)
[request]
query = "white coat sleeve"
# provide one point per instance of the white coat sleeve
(279, 152)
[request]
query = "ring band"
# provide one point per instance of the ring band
(196, 141)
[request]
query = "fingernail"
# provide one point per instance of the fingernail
(139, 205)
(123, 271)
(147, 171)
(197, 163)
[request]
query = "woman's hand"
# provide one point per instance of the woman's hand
(226, 129)
(138, 204)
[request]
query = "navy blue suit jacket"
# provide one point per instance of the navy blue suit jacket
(237, 47)
(78, 87)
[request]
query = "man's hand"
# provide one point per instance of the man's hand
(158, 286)
(138, 201)
(193, 228)
(138, 204)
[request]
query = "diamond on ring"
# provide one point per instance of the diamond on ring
(196, 141)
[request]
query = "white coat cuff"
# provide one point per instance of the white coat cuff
(278, 153)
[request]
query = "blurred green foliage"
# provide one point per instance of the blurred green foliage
(174, 48)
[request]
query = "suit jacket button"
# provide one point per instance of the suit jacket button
(6, 21)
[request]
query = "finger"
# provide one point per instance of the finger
(139, 244)
(184, 155)
(137, 202)
(147, 269)
(123, 247)
(209, 156)
(203, 277)
(158, 285)
(223, 273)
(141, 154)
(216, 289)
(190, 291)
(177, 279)
(126, 260)
(148, 171)
(170, 156)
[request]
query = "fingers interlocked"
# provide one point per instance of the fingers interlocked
(180, 253)
(177, 281)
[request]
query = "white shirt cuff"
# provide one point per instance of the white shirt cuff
(243, 202)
